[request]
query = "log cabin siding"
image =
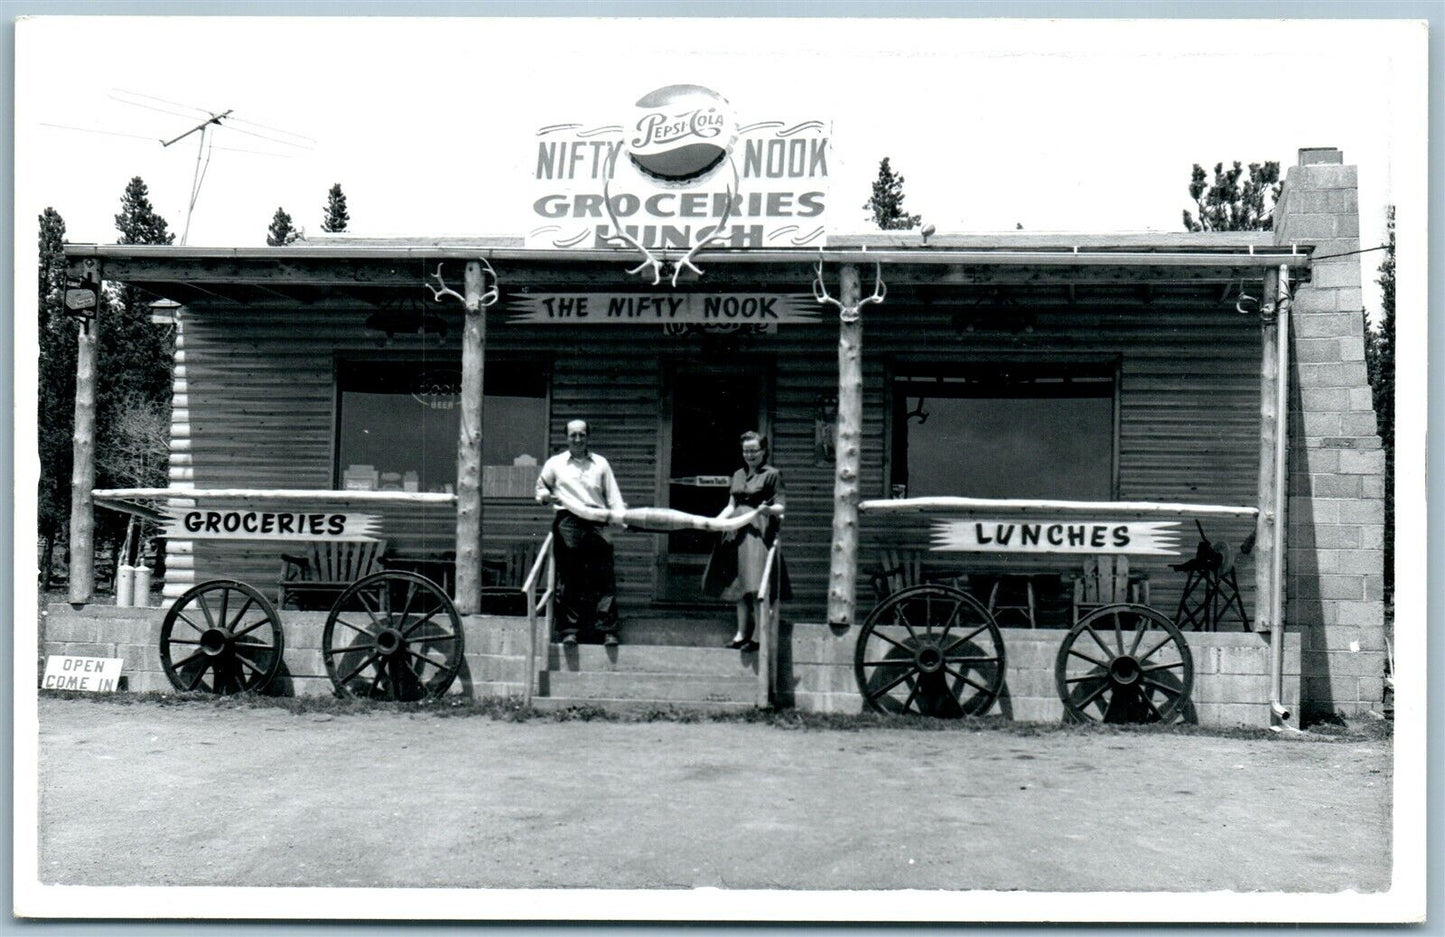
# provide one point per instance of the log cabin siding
(261, 401)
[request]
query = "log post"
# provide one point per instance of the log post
(82, 473)
(469, 445)
(1271, 425)
(843, 559)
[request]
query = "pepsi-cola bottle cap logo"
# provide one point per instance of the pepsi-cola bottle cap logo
(681, 133)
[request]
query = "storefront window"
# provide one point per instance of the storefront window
(1011, 431)
(397, 426)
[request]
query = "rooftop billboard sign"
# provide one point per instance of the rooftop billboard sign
(681, 169)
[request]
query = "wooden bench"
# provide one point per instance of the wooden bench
(314, 580)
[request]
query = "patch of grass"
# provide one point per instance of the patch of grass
(511, 709)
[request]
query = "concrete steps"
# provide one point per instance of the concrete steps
(661, 664)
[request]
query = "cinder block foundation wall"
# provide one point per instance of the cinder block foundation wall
(1336, 508)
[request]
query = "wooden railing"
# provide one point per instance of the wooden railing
(535, 606)
(767, 630)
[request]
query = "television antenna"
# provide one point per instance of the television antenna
(199, 176)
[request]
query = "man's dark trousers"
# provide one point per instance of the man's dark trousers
(586, 581)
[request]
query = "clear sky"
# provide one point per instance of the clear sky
(429, 125)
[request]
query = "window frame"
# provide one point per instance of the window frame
(899, 370)
(445, 358)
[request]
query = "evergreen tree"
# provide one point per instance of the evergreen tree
(133, 372)
(56, 392)
(1226, 205)
(281, 231)
(1380, 361)
(336, 217)
(886, 202)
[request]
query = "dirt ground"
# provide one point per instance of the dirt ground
(195, 794)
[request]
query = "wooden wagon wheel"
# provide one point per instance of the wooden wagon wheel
(392, 636)
(930, 650)
(1124, 663)
(221, 636)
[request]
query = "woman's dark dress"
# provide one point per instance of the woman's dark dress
(735, 568)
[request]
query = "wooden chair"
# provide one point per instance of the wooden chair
(1105, 581)
(897, 569)
(503, 593)
(313, 580)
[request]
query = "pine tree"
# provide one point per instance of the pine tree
(133, 373)
(1380, 362)
(1226, 205)
(281, 231)
(886, 202)
(56, 391)
(336, 217)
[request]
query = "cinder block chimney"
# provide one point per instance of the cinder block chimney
(1335, 577)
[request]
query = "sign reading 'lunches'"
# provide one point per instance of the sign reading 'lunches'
(681, 169)
(1149, 538)
(252, 524)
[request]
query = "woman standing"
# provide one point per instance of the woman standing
(735, 569)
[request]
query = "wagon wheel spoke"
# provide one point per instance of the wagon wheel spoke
(968, 637)
(962, 676)
(900, 618)
(1119, 633)
(1099, 641)
(898, 644)
(1075, 652)
(181, 663)
(430, 639)
(1162, 687)
(248, 665)
(1142, 624)
(1096, 675)
(233, 620)
(251, 627)
(970, 658)
(912, 694)
(370, 659)
(357, 628)
(205, 609)
(948, 624)
(185, 641)
(880, 691)
(421, 621)
(1174, 665)
(349, 649)
(1155, 649)
(181, 616)
(196, 679)
(1159, 716)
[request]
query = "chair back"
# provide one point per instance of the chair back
(345, 561)
(898, 569)
(1106, 580)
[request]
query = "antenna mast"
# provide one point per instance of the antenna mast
(199, 176)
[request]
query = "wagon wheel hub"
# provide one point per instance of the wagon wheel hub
(390, 642)
(1124, 670)
(216, 641)
(928, 658)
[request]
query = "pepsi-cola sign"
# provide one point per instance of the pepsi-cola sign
(681, 133)
(680, 167)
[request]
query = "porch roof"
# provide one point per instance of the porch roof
(1035, 268)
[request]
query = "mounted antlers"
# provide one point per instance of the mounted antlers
(658, 264)
(849, 313)
(486, 299)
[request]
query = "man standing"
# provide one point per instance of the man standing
(586, 580)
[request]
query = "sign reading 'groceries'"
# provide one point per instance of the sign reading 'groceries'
(679, 169)
(252, 524)
(652, 308)
(1149, 538)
